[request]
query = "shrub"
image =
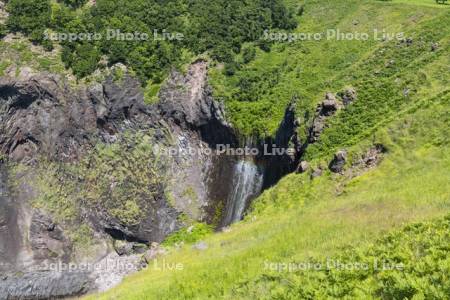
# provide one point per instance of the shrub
(248, 54)
(30, 17)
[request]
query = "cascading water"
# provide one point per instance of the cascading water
(247, 184)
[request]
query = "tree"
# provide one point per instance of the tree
(75, 3)
(30, 17)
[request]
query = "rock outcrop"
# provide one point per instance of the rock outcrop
(329, 106)
(43, 118)
(42, 115)
(45, 285)
(303, 167)
(338, 162)
(198, 126)
(348, 96)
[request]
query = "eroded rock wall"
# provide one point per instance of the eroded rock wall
(44, 120)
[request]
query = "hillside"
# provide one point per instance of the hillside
(303, 221)
(360, 216)
(110, 149)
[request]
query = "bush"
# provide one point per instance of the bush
(230, 68)
(75, 3)
(30, 17)
(3, 30)
(248, 54)
(189, 235)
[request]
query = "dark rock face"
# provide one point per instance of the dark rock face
(198, 126)
(324, 110)
(348, 96)
(160, 220)
(329, 106)
(41, 116)
(338, 162)
(44, 285)
(10, 237)
(35, 120)
(286, 137)
(187, 100)
(47, 239)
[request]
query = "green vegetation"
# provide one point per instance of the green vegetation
(403, 103)
(304, 220)
(30, 17)
(122, 177)
(3, 30)
(75, 3)
(164, 30)
(17, 54)
(409, 264)
(257, 94)
(188, 235)
(82, 237)
(396, 77)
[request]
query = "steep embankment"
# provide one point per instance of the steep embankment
(302, 221)
(395, 171)
(94, 176)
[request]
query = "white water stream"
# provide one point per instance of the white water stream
(247, 184)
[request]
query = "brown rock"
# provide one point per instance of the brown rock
(303, 167)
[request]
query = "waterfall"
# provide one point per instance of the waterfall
(247, 184)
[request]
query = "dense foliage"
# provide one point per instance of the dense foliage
(166, 31)
(74, 3)
(30, 17)
(409, 264)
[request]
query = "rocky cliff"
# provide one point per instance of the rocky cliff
(68, 153)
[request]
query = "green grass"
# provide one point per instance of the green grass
(20, 53)
(304, 220)
(301, 220)
(411, 263)
(306, 70)
(429, 3)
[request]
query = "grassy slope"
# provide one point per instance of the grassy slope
(309, 68)
(300, 220)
